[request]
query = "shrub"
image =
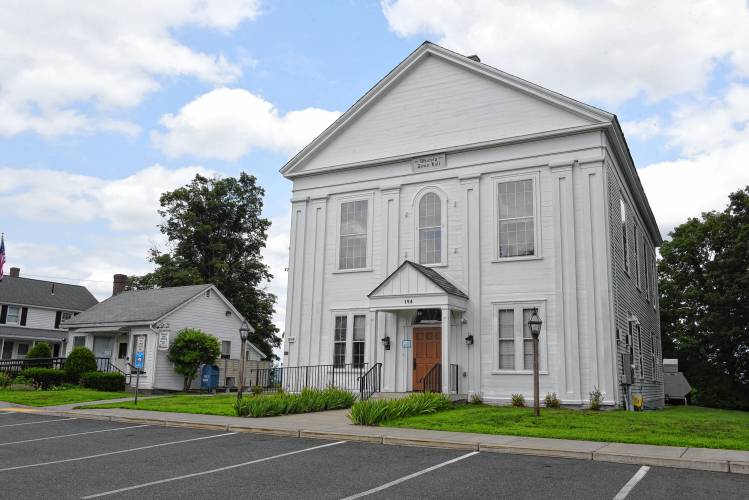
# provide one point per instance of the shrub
(373, 411)
(476, 398)
(191, 349)
(551, 400)
(5, 380)
(596, 398)
(43, 378)
(518, 400)
(103, 381)
(257, 389)
(309, 400)
(40, 350)
(79, 361)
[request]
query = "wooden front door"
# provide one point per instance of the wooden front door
(427, 351)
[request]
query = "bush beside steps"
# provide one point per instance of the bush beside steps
(374, 411)
(103, 381)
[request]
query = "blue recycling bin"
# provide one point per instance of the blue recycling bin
(209, 377)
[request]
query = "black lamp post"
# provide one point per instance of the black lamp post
(244, 332)
(535, 326)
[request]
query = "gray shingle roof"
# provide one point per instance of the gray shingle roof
(433, 275)
(19, 332)
(137, 305)
(31, 292)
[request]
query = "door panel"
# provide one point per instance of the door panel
(427, 351)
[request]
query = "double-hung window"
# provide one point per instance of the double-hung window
(339, 341)
(514, 345)
(13, 316)
(353, 234)
(637, 256)
(349, 339)
(430, 229)
(516, 229)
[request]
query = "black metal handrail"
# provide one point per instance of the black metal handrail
(14, 366)
(369, 383)
(296, 378)
(453, 385)
(432, 381)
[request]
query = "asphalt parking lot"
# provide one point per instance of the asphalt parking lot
(52, 457)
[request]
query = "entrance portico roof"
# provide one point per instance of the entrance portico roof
(413, 286)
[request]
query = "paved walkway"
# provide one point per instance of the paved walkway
(335, 425)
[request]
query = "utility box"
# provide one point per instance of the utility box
(209, 377)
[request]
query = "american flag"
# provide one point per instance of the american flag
(2, 256)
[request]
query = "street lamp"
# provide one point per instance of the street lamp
(535, 326)
(244, 332)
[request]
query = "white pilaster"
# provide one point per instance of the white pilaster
(445, 350)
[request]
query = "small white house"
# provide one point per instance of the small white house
(448, 204)
(114, 328)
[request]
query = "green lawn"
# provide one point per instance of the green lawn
(61, 397)
(677, 426)
(219, 404)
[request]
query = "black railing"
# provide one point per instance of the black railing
(453, 373)
(369, 383)
(14, 366)
(432, 381)
(296, 378)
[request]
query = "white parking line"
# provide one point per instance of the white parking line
(632, 483)
(71, 435)
(410, 476)
(203, 473)
(129, 450)
(38, 422)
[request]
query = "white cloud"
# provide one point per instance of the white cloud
(276, 256)
(127, 204)
(687, 187)
(606, 51)
(644, 129)
(227, 123)
(105, 54)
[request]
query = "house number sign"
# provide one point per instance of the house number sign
(432, 162)
(408, 301)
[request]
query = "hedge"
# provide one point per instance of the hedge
(103, 381)
(44, 378)
(79, 361)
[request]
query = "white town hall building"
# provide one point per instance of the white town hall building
(443, 208)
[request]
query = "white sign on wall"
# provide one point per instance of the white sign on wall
(164, 340)
(432, 162)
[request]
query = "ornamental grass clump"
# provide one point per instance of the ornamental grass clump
(375, 411)
(309, 400)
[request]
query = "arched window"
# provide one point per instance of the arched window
(430, 229)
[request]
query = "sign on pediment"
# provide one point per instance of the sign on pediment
(431, 162)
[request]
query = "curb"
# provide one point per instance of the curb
(728, 466)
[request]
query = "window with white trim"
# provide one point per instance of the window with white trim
(639, 350)
(339, 341)
(225, 349)
(514, 345)
(516, 226)
(353, 234)
(654, 372)
(79, 341)
(646, 270)
(623, 210)
(358, 341)
(23, 349)
(637, 256)
(13, 316)
(430, 229)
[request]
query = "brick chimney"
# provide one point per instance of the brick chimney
(118, 285)
(15, 272)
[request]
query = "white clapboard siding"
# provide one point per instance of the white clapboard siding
(407, 281)
(37, 317)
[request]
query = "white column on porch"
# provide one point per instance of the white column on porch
(445, 350)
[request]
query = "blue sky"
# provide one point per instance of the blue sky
(103, 106)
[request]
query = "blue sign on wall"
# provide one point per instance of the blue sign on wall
(139, 359)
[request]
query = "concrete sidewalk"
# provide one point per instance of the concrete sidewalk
(335, 425)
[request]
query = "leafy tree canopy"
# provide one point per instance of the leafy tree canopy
(216, 234)
(704, 287)
(40, 350)
(190, 349)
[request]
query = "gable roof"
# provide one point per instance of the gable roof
(31, 292)
(138, 306)
(427, 49)
(436, 278)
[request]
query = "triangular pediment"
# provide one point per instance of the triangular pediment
(413, 280)
(438, 100)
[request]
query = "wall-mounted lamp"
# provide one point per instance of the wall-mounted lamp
(386, 343)
(469, 339)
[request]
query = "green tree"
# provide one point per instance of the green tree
(704, 287)
(216, 233)
(191, 349)
(40, 350)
